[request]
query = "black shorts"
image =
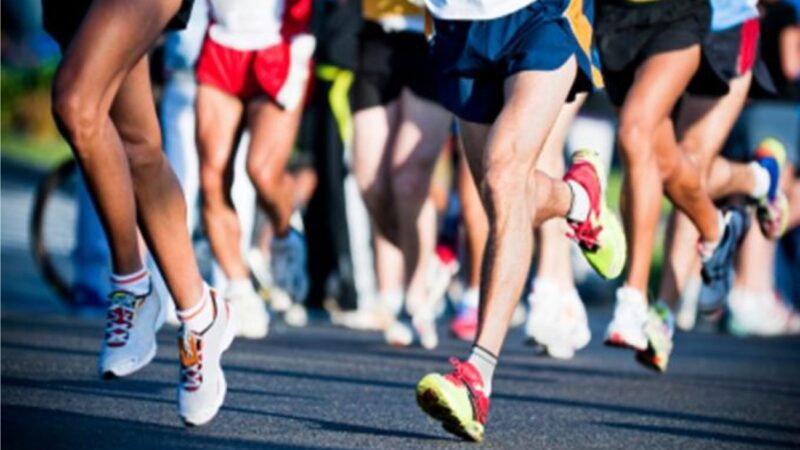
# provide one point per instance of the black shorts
(629, 33)
(729, 54)
(389, 62)
(62, 18)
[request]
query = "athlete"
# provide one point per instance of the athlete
(103, 104)
(399, 132)
(507, 69)
(650, 52)
(255, 64)
(706, 117)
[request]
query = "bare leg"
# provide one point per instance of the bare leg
(704, 125)
(659, 83)
(421, 132)
(375, 129)
(554, 258)
(476, 227)
(218, 116)
(112, 40)
(509, 154)
(272, 134)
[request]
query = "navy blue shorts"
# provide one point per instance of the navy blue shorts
(476, 57)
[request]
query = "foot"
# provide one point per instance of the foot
(718, 262)
(627, 328)
(456, 400)
(288, 263)
(761, 314)
(600, 236)
(425, 327)
(296, 316)
(544, 305)
(398, 334)
(772, 210)
(573, 328)
(201, 390)
(443, 267)
(131, 326)
(660, 329)
(686, 317)
(251, 313)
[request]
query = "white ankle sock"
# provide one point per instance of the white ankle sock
(485, 362)
(761, 176)
(707, 247)
(471, 298)
(198, 317)
(238, 287)
(137, 283)
(579, 209)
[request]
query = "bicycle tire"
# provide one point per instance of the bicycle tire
(43, 194)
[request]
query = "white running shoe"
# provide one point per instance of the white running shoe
(253, 318)
(289, 269)
(443, 267)
(573, 331)
(544, 306)
(628, 327)
(398, 334)
(130, 339)
(296, 316)
(258, 263)
(425, 326)
(760, 314)
(202, 387)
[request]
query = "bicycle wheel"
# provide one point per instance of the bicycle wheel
(52, 227)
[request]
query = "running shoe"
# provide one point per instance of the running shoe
(600, 236)
(572, 330)
(465, 324)
(760, 314)
(288, 257)
(202, 387)
(686, 317)
(772, 210)
(718, 265)
(544, 306)
(251, 313)
(443, 267)
(628, 326)
(660, 329)
(456, 399)
(296, 316)
(130, 339)
(425, 327)
(398, 334)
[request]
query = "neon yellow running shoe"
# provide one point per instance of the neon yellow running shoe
(660, 329)
(600, 236)
(456, 400)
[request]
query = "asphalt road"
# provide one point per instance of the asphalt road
(323, 387)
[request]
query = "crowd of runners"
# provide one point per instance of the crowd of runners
(422, 138)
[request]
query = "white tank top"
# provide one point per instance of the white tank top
(474, 9)
(246, 24)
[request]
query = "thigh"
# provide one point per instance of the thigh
(218, 118)
(424, 126)
(375, 128)
(273, 131)
(658, 84)
(112, 39)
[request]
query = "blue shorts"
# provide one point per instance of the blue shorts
(476, 57)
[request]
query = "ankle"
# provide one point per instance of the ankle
(199, 316)
(485, 362)
(137, 283)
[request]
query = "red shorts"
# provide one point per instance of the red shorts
(279, 71)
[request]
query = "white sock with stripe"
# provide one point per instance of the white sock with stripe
(198, 317)
(137, 283)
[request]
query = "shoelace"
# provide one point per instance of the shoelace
(190, 346)
(120, 317)
(479, 403)
(587, 236)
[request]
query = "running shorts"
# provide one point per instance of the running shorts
(389, 62)
(629, 33)
(62, 18)
(728, 54)
(476, 57)
(281, 72)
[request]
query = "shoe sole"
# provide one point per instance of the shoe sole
(112, 373)
(434, 403)
(617, 341)
(651, 360)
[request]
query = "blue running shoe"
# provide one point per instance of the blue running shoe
(717, 266)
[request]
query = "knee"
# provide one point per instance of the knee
(266, 176)
(144, 152)
(411, 181)
(506, 177)
(634, 138)
(78, 119)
